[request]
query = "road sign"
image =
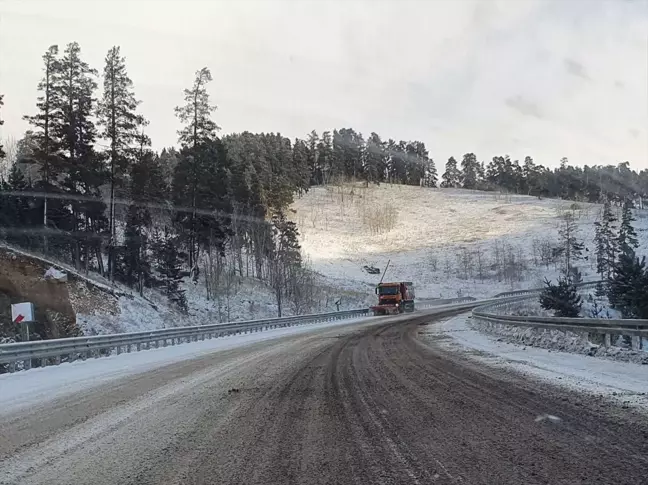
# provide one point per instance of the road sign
(22, 312)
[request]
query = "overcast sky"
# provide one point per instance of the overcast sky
(543, 78)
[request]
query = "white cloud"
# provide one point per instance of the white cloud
(549, 79)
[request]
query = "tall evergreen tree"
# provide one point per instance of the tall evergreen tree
(452, 175)
(376, 159)
(300, 171)
(628, 287)
(14, 206)
(571, 247)
(201, 159)
(169, 271)
(531, 176)
(201, 197)
(285, 255)
(121, 125)
(313, 159)
(348, 148)
(470, 168)
(325, 156)
(83, 170)
(196, 112)
(148, 189)
(605, 242)
(431, 176)
(47, 137)
(627, 239)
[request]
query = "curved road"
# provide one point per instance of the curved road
(356, 404)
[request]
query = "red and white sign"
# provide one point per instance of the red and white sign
(22, 312)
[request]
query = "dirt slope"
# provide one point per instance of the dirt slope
(56, 303)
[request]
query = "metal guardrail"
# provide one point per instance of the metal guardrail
(629, 327)
(53, 351)
(432, 302)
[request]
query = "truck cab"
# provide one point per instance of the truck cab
(394, 298)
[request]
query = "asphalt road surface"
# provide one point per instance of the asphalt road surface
(357, 404)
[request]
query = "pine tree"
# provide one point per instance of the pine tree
(83, 169)
(169, 269)
(285, 255)
(201, 161)
(562, 298)
(325, 157)
(121, 125)
(470, 168)
(196, 113)
(15, 206)
(148, 189)
(201, 197)
(627, 238)
(47, 137)
(605, 242)
(451, 176)
(431, 176)
(628, 287)
(300, 171)
(570, 247)
(347, 153)
(313, 159)
(376, 159)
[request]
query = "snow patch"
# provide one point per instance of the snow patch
(624, 382)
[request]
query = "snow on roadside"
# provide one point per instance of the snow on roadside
(624, 382)
(37, 386)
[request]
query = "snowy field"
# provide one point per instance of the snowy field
(425, 231)
(625, 383)
(25, 388)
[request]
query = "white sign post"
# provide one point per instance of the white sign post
(22, 314)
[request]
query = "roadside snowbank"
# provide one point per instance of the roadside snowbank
(624, 382)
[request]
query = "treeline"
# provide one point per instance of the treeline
(586, 184)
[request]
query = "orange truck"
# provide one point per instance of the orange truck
(394, 298)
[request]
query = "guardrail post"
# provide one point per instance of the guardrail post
(119, 349)
(12, 367)
(139, 347)
(636, 342)
(607, 340)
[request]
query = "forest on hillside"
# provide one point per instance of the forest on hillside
(84, 185)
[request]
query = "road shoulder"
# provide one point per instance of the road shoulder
(624, 383)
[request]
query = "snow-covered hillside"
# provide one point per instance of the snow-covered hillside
(432, 235)
(447, 241)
